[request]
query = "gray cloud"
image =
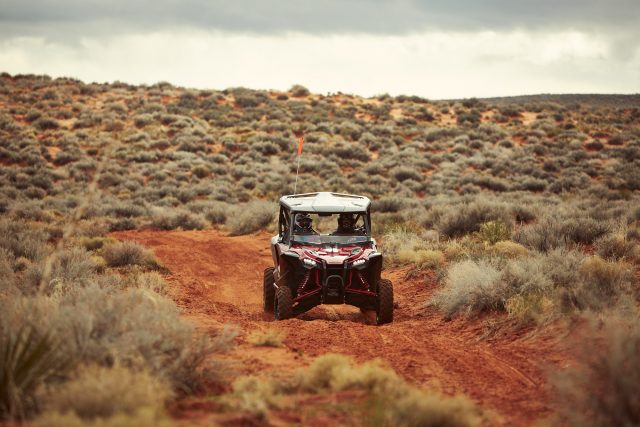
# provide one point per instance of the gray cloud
(19, 17)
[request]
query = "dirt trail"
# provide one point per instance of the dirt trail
(217, 280)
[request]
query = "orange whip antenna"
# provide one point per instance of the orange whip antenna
(300, 142)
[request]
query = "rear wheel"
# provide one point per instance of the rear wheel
(384, 309)
(269, 291)
(283, 303)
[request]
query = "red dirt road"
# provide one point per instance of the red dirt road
(217, 280)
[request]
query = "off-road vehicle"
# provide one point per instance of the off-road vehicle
(324, 254)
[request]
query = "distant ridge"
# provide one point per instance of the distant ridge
(597, 100)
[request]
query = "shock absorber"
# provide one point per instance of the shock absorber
(362, 281)
(303, 283)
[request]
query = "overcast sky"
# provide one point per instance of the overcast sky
(432, 48)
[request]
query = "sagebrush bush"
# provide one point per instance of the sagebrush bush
(171, 220)
(617, 246)
(252, 217)
(545, 235)
(603, 281)
(467, 218)
(602, 388)
(126, 253)
(470, 288)
(100, 324)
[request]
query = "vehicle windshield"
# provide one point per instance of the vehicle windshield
(342, 229)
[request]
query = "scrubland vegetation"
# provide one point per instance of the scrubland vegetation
(526, 210)
(392, 401)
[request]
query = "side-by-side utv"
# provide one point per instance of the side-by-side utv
(324, 254)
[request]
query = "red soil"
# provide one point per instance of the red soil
(217, 280)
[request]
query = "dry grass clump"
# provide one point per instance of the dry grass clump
(255, 395)
(28, 358)
(127, 253)
(509, 249)
(602, 389)
(494, 231)
(396, 402)
(148, 280)
(402, 246)
(269, 337)
(401, 404)
(422, 258)
(101, 392)
(251, 217)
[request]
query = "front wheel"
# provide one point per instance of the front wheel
(384, 303)
(269, 291)
(283, 303)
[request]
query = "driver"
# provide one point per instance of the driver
(346, 224)
(304, 224)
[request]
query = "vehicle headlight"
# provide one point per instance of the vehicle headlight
(358, 262)
(309, 262)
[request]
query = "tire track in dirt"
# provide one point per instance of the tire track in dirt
(217, 279)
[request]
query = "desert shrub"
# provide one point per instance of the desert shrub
(65, 268)
(46, 123)
(269, 337)
(28, 358)
(174, 219)
(585, 230)
(467, 218)
(616, 246)
(94, 243)
(121, 224)
(100, 392)
(251, 217)
(255, 395)
(299, 91)
(602, 388)
(603, 281)
(494, 231)
(149, 280)
(544, 235)
(509, 249)
(470, 288)
(400, 245)
(398, 403)
(403, 173)
(125, 210)
(201, 171)
(109, 323)
(422, 258)
(126, 253)
(142, 120)
(524, 276)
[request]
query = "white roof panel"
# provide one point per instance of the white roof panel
(326, 202)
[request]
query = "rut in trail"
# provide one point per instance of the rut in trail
(217, 279)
